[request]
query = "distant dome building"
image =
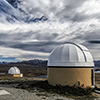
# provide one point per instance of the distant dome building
(15, 72)
(69, 64)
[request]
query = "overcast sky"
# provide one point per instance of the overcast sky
(67, 20)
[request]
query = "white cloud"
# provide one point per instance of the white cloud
(68, 20)
(18, 54)
(90, 7)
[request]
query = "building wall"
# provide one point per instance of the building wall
(18, 75)
(69, 76)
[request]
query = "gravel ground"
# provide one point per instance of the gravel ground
(20, 94)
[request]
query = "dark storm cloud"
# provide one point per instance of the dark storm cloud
(15, 40)
(94, 41)
(19, 36)
(94, 35)
(69, 11)
(74, 16)
(46, 42)
(79, 17)
(74, 4)
(32, 46)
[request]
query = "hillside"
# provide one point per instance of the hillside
(28, 68)
(32, 67)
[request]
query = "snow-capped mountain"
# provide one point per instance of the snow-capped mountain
(9, 12)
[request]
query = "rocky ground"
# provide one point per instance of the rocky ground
(22, 94)
(17, 93)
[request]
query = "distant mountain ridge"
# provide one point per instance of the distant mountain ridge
(37, 61)
(97, 63)
(31, 62)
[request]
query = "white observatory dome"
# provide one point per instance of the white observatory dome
(13, 70)
(70, 55)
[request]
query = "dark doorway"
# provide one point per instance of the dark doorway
(92, 77)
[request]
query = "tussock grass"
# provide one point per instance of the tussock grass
(75, 91)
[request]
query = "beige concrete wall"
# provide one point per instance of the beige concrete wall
(69, 76)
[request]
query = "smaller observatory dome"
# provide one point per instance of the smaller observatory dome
(69, 55)
(13, 70)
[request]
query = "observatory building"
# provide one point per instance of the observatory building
(15, 72)
(71, 64)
